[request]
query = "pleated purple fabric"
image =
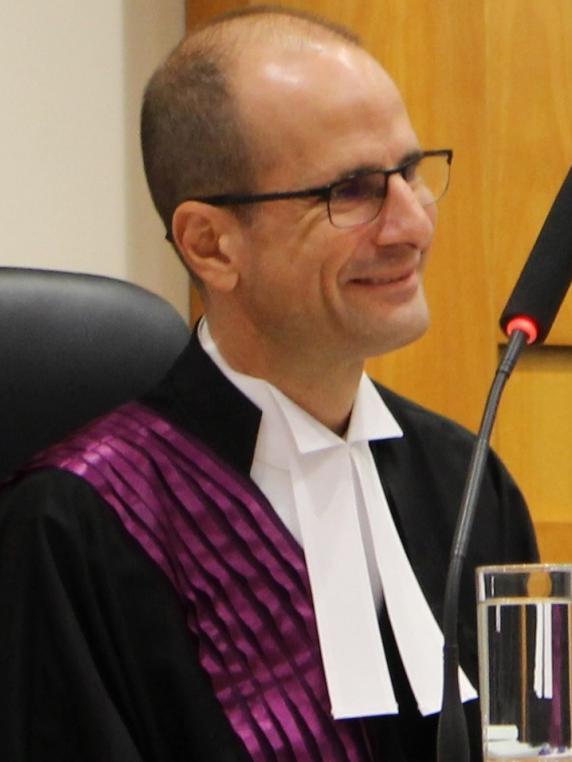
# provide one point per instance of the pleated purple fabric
(240, 573)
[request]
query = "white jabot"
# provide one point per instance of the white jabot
(327, 492)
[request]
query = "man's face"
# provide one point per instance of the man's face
(308, 288)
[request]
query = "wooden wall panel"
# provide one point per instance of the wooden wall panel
(528, 152)
(201, 10)
(528, 132)
(534, 435)
(554, 541)
(534, 431)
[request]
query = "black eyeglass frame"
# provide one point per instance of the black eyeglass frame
(323, 192)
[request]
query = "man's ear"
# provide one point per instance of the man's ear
(204, 236)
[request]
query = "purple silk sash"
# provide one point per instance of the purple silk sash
(239, 572)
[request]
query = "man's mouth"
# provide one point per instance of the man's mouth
(385, 280)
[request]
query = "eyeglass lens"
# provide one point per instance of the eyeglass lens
(359, 200)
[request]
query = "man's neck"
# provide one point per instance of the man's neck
(323, 387)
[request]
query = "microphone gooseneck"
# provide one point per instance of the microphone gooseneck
(452, 739)
(527, 318)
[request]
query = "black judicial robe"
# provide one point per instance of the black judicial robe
(96, 661)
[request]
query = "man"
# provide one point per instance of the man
(250, 562)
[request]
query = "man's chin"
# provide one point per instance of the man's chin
(402, 334)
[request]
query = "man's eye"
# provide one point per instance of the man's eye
(410, 173)
(359, 188)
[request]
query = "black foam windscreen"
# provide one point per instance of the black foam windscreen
(546, 276)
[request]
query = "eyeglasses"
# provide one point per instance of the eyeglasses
(358, 198)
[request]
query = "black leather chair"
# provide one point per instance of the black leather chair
(73, 346)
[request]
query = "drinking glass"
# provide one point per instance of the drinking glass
(525, 661)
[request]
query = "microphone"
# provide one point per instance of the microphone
(527, 317)
(546, 276)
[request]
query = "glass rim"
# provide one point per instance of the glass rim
(522, 568)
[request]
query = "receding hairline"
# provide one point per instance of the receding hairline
(228, 35)
(194, 95)
(276, 19)
(236, 34)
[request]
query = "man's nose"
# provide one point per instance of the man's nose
(403, 219)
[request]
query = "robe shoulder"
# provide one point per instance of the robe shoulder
(434, 444)
(83, 611)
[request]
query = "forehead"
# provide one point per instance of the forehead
(317, 110)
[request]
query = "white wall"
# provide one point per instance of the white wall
(73, 194)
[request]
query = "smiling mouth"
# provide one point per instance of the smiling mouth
(384, 281)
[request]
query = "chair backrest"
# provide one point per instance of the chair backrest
(72, 346)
